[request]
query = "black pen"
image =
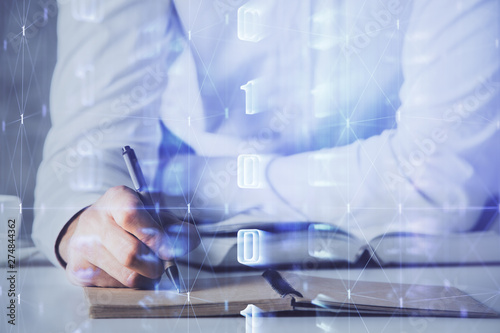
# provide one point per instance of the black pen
(142, 190)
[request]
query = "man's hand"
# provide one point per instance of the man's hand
(116, 243)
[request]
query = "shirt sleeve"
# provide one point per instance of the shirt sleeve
(437, 169)
(111, 70)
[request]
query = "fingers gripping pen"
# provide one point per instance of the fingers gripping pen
(142, 190)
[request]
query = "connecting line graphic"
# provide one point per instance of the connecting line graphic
(18, 156)
(349, 215)
(207, 70)
(188, 196)
(353, 110)
(23, 148)
(470, 245)
(185, 195)
(205, 250)
(371, 77)
(372, 165)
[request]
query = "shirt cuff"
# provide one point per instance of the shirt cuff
(51, 223)
(61, 234)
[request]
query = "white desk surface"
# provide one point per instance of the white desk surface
(49, 303)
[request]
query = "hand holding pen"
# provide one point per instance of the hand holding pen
(116, 242)
(142, 190)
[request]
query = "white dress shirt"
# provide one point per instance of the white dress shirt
(375, 116)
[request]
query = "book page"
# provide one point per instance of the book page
(207, 297)
(387, 298)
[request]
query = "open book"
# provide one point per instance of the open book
(273, 292)
(280, 244)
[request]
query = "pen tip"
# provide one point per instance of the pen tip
(173, 274)
(125, 149)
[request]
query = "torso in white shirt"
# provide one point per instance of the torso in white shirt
(290, 76)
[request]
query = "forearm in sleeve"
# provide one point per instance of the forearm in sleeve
(436, 171)
(111, 71)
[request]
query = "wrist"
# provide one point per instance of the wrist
(62, 241)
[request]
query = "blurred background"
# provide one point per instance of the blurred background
(27, 59)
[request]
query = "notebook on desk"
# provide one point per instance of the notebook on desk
(309, 244)
(274, 293)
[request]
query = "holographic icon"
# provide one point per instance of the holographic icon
(323, 30)
(322, 100)
(253, 96)
(320, 170)
(253, 318)
(87, 78)
(327, 242)
(249, 97)
(250, 24)
(249, 171)
(249, 246)
(88, 174)
(86, 10)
